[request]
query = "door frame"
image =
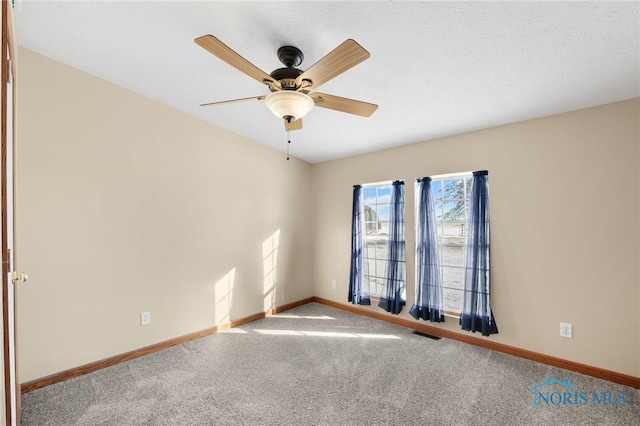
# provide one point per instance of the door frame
(7, 73)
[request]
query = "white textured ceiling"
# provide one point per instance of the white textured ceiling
(436, 68)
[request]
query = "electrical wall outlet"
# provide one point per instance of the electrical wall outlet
(566, 330)
(145, 318)
(334, 285)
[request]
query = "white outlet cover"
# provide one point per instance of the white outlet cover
(145, 318)
(566, 330)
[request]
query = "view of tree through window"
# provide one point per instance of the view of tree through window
(376, 213)
(451, 198)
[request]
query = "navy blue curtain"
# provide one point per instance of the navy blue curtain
(358, 281)
(393, 299)
(429, 304)
(476, 312)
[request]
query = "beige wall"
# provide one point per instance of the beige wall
(564, 222)
(126, 205)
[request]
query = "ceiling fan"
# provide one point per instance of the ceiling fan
(291, 96)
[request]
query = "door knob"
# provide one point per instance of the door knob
(15, 277)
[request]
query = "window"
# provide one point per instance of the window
(451, 200)
(377, 207)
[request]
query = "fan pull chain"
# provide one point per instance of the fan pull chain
(288, 141)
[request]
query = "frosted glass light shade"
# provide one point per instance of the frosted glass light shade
(288, 103)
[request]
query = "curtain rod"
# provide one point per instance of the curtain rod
(383, 182)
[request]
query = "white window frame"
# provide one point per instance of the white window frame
(376, 278)
(448, 287)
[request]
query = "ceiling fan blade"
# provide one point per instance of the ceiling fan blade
(294, 125)
(351, 106)
(224, 52)
(339, 60)
(231, 101)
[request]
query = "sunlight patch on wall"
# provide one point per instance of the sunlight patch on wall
(223, 294)
(270, 268)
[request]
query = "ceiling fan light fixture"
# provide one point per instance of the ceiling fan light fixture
(289, 103)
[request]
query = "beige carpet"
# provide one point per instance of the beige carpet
(315, 365)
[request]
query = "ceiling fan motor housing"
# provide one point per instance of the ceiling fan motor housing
(290, 57)
(286, 77)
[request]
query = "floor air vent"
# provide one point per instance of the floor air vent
(420, 333)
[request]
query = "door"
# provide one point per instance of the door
(9, 276)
